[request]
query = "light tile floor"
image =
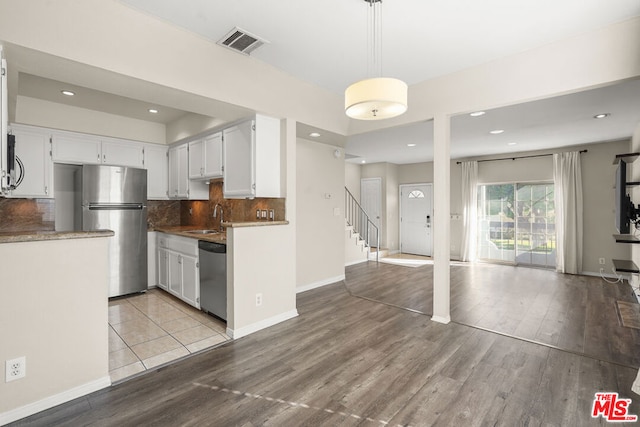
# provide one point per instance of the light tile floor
(154, 328)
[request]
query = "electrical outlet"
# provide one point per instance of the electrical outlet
(258, 300)
(257, 213)
(15, 369)
(263, 214)
(601, 261)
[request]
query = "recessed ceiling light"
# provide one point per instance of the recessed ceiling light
(314, 134)
(67, 92)
(153, 111)
(511, 143)
(411, 145)
(601, 115)
(363, 161)
(496, 131)
(477, 114)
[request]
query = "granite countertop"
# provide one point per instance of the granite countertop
(35, 236)
(253, 223)
(183, 231)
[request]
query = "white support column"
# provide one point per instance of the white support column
(441, 218)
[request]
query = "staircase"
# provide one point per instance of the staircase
(360, 232)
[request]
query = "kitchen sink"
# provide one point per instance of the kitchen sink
(202, 232)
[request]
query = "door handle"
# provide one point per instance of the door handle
(428, 221)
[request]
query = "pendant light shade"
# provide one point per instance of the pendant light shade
(378, 97)
(375, 99)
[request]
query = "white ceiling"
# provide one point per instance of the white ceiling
(324, 43)
(545, 124)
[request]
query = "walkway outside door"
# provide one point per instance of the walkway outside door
(416, 219)
(371, 202)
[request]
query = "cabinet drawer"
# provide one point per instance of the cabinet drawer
(183, 245)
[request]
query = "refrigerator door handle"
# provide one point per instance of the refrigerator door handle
(116, 207)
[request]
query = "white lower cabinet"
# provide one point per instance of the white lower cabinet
(152, 259)
(178, 269)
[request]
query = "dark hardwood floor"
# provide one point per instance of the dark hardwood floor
(349, 361)
(571, 312)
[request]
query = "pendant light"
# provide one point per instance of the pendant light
(378, 97)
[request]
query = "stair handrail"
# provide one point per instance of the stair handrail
(357, 218)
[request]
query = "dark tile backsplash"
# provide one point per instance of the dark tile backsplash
(27, 215)
(39, 214)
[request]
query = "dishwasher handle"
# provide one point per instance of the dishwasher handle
(219, 248)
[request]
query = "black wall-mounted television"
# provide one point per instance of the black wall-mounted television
(626, 212)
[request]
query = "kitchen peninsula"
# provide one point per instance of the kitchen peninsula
(252, 264)
(57, 283)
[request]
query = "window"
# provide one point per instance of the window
(416, 194)
(516, 223)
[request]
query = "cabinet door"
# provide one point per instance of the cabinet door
(173, 172)
(196, 168)
(33, 163)
(213, 156)
(174, 273)
(183, 172)
(178, 174)
(239, 161)
(163, 268)
(152, 259)
(122, 153)
(157, 165)
(76, 149)
(190, 281)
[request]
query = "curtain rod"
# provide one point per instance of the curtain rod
(519, 157)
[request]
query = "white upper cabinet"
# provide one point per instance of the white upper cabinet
(122, 153)
(251, 153)
(196, 159)
(205, 157)
(33, 162)
(178, 172)
(76, 148)
(180, 187)
(213, 156)
(156, 163)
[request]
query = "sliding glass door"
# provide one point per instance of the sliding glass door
(516, 223)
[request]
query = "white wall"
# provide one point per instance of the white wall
(259, 262)
(320, 232)
(53, 312)
(31, 111)
(352, 175)
(190, 125)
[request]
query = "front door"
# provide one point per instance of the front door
(416, 218)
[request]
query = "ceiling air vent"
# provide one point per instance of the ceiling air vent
(241, 41)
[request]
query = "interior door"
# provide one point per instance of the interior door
(371, 202)
(416, 214)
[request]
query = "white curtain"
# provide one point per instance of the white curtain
(567, 178)
(470, 210)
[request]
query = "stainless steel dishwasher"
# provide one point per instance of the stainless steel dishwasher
(213, 278)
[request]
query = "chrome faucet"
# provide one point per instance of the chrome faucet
(215, 214)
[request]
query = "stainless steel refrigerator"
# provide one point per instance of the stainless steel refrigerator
(114, 198)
